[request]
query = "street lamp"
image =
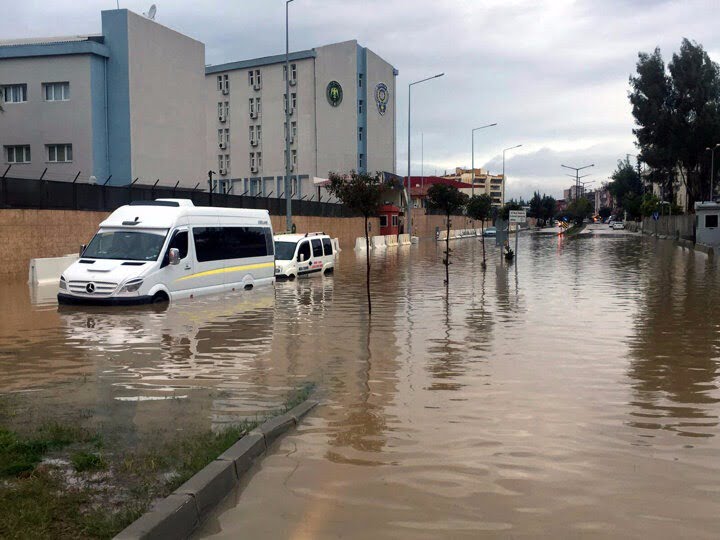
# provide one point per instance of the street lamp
(408, 219)
(288, 189)
(712, 169)
(472, 160)
(577, 175)
(504, 182)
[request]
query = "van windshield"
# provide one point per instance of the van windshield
(285, 251)
(126, 245)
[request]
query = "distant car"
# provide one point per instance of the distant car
(618, 225)
(611, 222)
(490, 231)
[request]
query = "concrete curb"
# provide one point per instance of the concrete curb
(178, 514)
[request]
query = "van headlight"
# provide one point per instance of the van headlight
(131, 286)
(63, 283)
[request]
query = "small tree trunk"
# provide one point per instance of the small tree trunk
(367, 259)
(447, 252)
(482, 236)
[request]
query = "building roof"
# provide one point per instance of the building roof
(263, 61)
(53, 46)
(419, 185)
(48, 40)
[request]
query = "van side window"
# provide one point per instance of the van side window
(180, 242)
(223, 243)
(304, 249)
(317, 247)
(327, 246)
(269, 242)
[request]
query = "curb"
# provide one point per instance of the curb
(178, 514)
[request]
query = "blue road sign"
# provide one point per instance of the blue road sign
(656, 216)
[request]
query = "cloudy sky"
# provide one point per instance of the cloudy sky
(553, 74)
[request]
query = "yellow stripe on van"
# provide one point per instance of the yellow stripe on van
(226, 270)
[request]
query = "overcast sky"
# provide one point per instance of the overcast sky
(552, 74)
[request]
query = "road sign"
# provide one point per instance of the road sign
(518, 216)
(656, 216)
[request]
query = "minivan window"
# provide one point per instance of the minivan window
(317, 247)
(222, 243)
(304, 250)
(327, 246)
(285, 251)
(180, 242)
(126, 245)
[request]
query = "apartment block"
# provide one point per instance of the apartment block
(481, 182)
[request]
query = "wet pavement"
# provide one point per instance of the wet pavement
(569, 394)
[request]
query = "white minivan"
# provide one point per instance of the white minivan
(154, 251)
(303, 254)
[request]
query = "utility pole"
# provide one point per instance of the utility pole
(288, 188)
(472, 159)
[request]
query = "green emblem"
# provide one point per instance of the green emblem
(334, 93)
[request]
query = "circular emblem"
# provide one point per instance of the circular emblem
(382, 96)
(334, 93)
(90, 288)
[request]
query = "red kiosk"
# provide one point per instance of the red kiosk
(389, 216)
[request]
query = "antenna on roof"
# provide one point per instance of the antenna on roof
(151, 12)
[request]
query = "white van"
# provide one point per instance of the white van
(303, 254)
(154, 251)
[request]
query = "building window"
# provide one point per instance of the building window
(293, 130)
(59, 153)
(223, 163)
(361, 161)
(394, 220)
(383, 220)
(252, 134)
(18, 154)
(258, 105)
(14, 93)
(360, 134)
(251, 77)
(293, 101)
(223, 137)
(223, 83)
(259, 159)
(293, 159)
(259, 133)
(59, 91)
(254, 161)
(293, 72)
(711, 221)
(254, 78)
(227, 109)
(360, 106)
(360, 80)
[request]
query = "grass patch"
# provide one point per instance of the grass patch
(298, 395)
(87, 461)
(575, 229)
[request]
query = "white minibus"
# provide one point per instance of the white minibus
(154, 251)
(303, 254)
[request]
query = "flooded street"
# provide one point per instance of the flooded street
(570, 394)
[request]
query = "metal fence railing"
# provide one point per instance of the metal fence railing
(57, 195)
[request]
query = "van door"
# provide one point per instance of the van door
(175, 276)
(304, 255)
(316, 261)
(209, 255)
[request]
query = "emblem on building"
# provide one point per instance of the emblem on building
(334, 93)
(382, 96)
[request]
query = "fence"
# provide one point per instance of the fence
(23, 193)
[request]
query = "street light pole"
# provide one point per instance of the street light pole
(577, 176)
(504, 184)
(288, 188)
(408, 219)
(472, 159)
(712, 169)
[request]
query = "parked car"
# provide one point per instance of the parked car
(611, 222)
(618, 225)
(303, 254)
(490, 231)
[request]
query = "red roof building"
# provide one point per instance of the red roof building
(419, 186)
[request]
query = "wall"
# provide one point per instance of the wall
(675, 226)
(380, 130)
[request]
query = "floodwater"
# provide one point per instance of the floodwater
(570, 394)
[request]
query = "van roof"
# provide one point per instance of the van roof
(298, 237)
(164, 216)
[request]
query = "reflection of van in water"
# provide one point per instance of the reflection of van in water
(152, 251)
(303, 254)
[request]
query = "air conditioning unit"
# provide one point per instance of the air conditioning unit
(292, 82)
(225, 90)
(257, 86)
(253, 114)
(222, 118)
(253, 168)
(223, 172)
(253, 142)
(223, 145)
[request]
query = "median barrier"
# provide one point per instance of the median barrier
(48, 270)
(336, 245)
(377, 242)
(404, 239)
(360, 244)
(391, 240)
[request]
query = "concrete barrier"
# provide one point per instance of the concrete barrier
(336, 245)
(360, 244)
(377, 242)
(391, 240)
(48, 270)
(404, 239)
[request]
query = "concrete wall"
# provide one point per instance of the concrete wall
(38, 122)
(675, 226)
(167, 93)
(380, 134)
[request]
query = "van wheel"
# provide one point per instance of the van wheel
(160, 298)
(292, 277)
(248, 287)
(329, 271)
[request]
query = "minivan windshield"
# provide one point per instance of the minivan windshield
(285, 251)
(126, 245)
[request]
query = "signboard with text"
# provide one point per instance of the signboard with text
(518, 216)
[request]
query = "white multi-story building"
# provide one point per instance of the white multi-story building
(105, 106)
(342, 118)
(484, 183)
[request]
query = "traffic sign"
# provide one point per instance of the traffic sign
(656, 216)
(518, 216)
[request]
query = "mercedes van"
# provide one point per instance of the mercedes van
(303, 254)
(155, 251)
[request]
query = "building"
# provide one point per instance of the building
(419, 186)
(573, 193)
(120, 105)
(484, 183)
(342, 118)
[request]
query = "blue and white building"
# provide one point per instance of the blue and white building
(106, 105)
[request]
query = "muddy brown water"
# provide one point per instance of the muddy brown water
(571, 394)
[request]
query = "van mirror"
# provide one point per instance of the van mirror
(174, 256)
(82, 249)
(301, 257)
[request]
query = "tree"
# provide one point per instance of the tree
(548, 204)
(579, 209)
(361, 193)
(542, 207)
(480, 207)
(512, 204)
(626, 187)
(449, 200)
(605, 212)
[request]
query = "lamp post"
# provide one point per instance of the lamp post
(288, 189)
(472, 159)
(712, 169)
(408, 219)
(577, 176)
(502, 200)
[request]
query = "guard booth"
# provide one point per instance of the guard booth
(707, 223)
(389, 216)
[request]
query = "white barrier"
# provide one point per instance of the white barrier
(360, 244)
(336, 245)
(48, 270)
(414, 239)
(378, 242)
(391, 240)
(404, 239)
